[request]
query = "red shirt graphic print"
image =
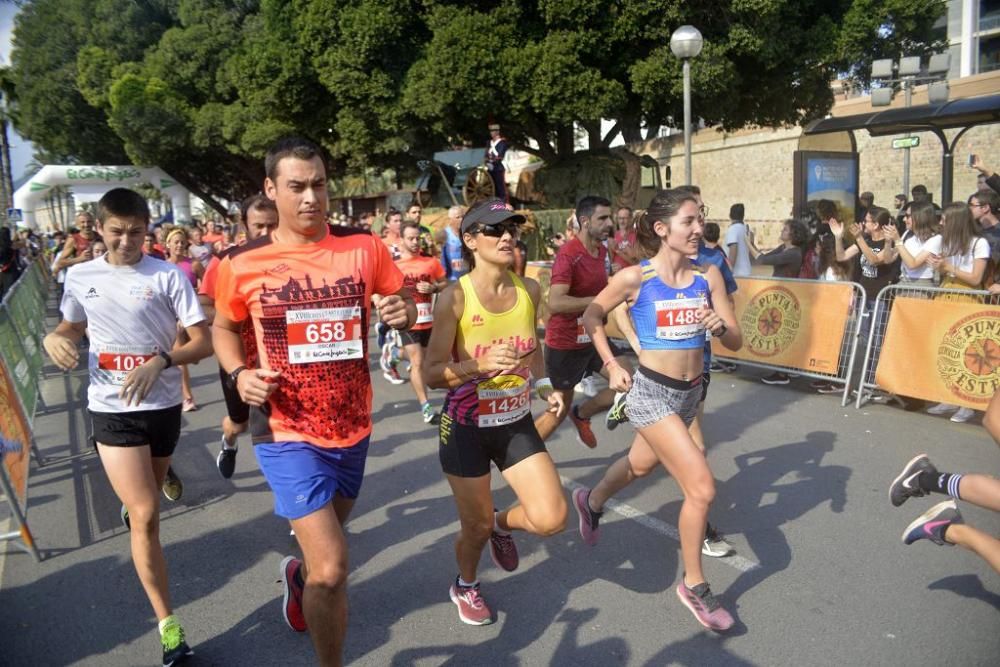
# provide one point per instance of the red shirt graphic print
(309, 305)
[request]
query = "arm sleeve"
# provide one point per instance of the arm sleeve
(208, 280)
(732, 235)
(981, 249)
(780, 256)
(184, 299)
(933, 245)
(70, 306)
(562, 269)
(437, 272)
(994, 182)
(388, 279)
(228, 299)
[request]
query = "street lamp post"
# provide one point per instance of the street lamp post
(686, 44)
(906, 72)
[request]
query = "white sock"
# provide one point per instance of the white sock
(464, 584)
(226, 445)
(496, 526)
(163, 623)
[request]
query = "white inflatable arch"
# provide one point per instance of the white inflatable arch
(89, 183)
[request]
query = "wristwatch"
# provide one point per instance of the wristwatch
(166, 358)
(236, 373)
(721, 333)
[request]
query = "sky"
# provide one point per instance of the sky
(20, 149)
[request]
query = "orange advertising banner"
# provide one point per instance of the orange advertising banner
(15, 437)
(944, 351)
(788, 323)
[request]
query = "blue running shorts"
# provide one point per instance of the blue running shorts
(304, 477)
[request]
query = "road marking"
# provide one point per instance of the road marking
(735, 561)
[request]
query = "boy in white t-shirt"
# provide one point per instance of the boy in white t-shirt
(736, 242)
(129, 304)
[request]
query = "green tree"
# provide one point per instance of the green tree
(540, 67)
(202, 87)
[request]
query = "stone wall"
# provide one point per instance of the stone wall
(754, 166)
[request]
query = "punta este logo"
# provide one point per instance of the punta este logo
(968, 359)
(771, 321)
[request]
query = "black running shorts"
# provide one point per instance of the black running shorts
(160, 429)
(238, 411)
(706, 379)
(421, 337)
(466, 451)
(567, 367)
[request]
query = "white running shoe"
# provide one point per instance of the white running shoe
(963, 415)
(942, 409)
(588, 386)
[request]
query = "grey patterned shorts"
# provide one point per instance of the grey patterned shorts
(650, 400)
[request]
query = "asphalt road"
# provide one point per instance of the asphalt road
(821, 577)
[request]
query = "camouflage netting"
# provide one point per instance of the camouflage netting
(547, 224)
(582, 174)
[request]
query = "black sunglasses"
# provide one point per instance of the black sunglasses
(499, 229)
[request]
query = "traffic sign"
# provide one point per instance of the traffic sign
(906, 142)
(15, 215)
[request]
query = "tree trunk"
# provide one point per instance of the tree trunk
(8, 177)
(6, 191)
(594, 139)
(565, 140)
(540, 135)
(631, 130)
(633, 177)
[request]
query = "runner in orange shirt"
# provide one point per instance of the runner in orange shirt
(258, 217)
(425, 277)
(307, 288)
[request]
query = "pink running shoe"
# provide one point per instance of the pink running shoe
(472, 609)
(504, 551)
(291, 607)
(589, 519)
(705, 606)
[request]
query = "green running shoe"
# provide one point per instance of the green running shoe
(616, 414)
(173, 487)
(175, 649)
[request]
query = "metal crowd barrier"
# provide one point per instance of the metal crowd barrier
(848, 341)
(867, 387)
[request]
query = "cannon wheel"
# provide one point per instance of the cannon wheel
(478, 186)
(424, 198)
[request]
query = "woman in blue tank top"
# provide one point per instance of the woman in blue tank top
(673, 304)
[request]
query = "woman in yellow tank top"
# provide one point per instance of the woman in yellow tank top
(483, 349)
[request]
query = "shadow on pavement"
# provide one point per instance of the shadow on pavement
(969, 586)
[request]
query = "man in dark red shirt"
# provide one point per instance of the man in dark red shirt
(578, 275)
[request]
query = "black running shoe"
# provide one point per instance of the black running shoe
(905, 484)
(226, 460)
